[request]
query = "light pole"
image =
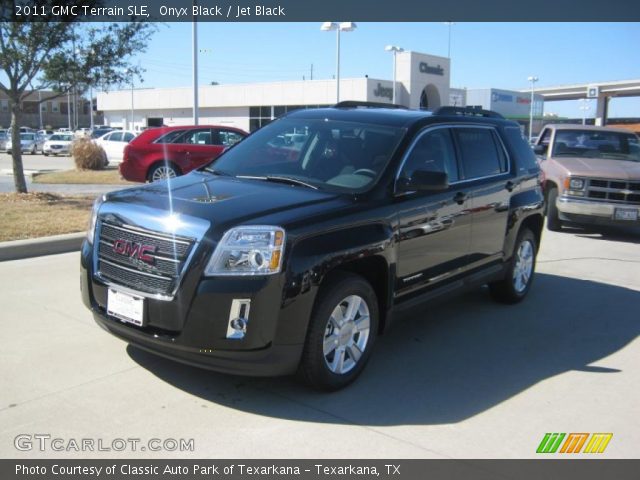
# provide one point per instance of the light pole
(194, 46)
(131, 72)
(584, 106)
(532, 80)
(394, 50)
(449, 24)
(40, 106)
(69, 107)
(338, 27)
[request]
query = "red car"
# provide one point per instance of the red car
(167, 152)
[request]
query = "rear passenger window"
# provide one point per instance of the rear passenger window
(526, 159)
(482, 155)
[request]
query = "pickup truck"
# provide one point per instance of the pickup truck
(591, 175)
(266, 264)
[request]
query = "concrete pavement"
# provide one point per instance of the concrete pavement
(463, 379)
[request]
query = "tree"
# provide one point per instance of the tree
(61, 54)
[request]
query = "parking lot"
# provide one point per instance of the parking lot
(463, 379)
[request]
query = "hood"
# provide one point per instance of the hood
(228, 201)
(601, 168)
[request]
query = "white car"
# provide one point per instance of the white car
(58, 144)
(114, 143)
(29, 143)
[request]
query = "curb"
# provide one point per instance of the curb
(36, 247)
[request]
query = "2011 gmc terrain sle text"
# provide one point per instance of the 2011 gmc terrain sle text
(293, 250)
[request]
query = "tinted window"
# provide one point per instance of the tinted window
(128, 137)
(200, 136)
(481, 156)
(170, 137)
(432, 152)
(115, 137)
(524, 154)
(228, 137)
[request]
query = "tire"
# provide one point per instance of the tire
(34, 150)
(332, 360)
(45, 154)
(162, 171)
(553, 221)
(517, 281)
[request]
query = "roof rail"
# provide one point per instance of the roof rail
(357, 103)
(471, 111)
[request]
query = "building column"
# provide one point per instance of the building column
(602, 110)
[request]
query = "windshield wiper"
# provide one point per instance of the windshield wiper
(279, 179)
(220, 173)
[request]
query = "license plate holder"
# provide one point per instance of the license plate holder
(626, 214)
(125, 307)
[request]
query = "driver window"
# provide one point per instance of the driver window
(432, 152)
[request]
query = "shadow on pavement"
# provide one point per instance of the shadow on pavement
(613, 234)
(444, 363)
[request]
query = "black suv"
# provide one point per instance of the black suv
(293, 250)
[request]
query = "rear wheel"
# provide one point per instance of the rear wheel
(517, 281)
(162, 171)
(341, 333)
(553, 221)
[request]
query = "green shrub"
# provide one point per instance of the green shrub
(88, 155)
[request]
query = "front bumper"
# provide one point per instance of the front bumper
(55, 151)
(595, 213)
(192, 328)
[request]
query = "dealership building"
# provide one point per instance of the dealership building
(422, 81)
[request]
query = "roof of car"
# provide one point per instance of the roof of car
(391, 116)
(579, 126)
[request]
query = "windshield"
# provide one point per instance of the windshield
(59, 137)
(334, 156)
(597, 144)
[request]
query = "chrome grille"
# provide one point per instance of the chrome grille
(159, 276)
(620, 191)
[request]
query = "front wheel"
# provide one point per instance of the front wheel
(517, 281)
(341, 334)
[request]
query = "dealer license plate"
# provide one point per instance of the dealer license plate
(625, 214)
(127, 308)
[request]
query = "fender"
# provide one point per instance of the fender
(524, 205)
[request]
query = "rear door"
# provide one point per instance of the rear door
(193, 148)
(486, 178)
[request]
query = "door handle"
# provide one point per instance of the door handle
(510, 186)
(460, 198)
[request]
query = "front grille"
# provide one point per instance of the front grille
(166, 254)
(619, 191)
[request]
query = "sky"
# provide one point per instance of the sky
(499, 55)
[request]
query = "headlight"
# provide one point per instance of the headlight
(251, 250)
(91, 230)
(576, 184)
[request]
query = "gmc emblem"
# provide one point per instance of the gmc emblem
(135, 250)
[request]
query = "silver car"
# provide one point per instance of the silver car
(29, 143)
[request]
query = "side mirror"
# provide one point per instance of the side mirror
(423, 180)
(540, 149)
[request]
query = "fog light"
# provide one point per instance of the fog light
(238, 318)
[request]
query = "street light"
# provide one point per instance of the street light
(532, 80)
(131, 72)
(394, 50)
(194, 53)
(584, 106)
(449, 24)
(338, 27)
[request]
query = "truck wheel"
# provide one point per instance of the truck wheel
(162, 171)
(341, 334)
(553, 221)
(516, 283)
